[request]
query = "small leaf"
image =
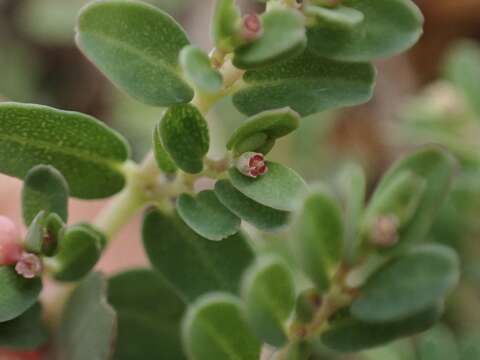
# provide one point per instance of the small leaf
(18, 294)
(44, 234)
(149, 316)
(191, 264)
(437, 344)
(225, 24)
(283, 37)
(351, 335)
(135, 45)
(265, 127)
(408, 284)
(207, 216)
(389, 28)
(163, 159)
(184, 134)
(78, 253)
(198, 68)
(88, 326)
(308, 84)
(85, 151)
(44, 188)
(269, 294)
(262, 217)
(215, 328)
(338, 16)
(280, 188)
(26, 332)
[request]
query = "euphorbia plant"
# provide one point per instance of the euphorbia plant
(357, 275)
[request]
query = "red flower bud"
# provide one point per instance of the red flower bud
(10, 249)
(252, 164)
(252, 27)
(385, 231)
(29, 266)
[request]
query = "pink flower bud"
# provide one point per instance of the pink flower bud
(385, 231)
(10, 249)
(252, 164)
(252, 27)
(29, 266)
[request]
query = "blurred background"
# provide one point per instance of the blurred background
(429, 94)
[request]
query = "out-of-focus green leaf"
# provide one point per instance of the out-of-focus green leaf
(225, 24)
(197, 67)
(86, 152)
(308, 84)
(149, 314)
(191, 264)
(135, 45)
(215, 328)
(280, 188)
(88, 327)
(408, 284)
(207, 216)
(437, 344)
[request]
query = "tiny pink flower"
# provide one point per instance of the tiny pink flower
(252, 164)
(252, 27)
(10, 249)
(385, 231)
(29, 266)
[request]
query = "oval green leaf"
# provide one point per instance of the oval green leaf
(163, 159)
(408, 284)
(215, 328)
(198, 68)
(149, 315)
(44, 188)
(308, 84)
(317, 237)
(263, 128)
(280, 188)
(18, 294)
(84, 150)
(207, 216)
(136, 46)
(389, 28)
(191, 264)
(184, 134)
(283, 37)
(268, 291)
(260, 216)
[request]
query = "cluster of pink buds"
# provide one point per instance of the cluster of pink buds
(385, 231)
(251, 27)
(251, 164)
(11, 251)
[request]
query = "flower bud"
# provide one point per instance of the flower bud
(10, 249)
(385, 230)
(251, 164)
(29, 266)
(251, 27)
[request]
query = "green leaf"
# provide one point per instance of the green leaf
(184, 134)
(338, 16)
(191, 264)
(351, 335)
(437, 344)
(215, 328)
(45, 189)
(265, 127)
(408, 284)
(85, 151)
(44, 234)
(436, 166)
(136, 46)
(78, 253)
(198, 69)
(269, 294)
(308, 84)
(18, 294)
(163, 159)
(298, 351)
(283, 37)
(260, 216)
(88, 327)
(280, 188)
(26, 332)
(317, 237)
(225, 24)
(207, 216)
(462, 69)
(389, 28)
(149, 316)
